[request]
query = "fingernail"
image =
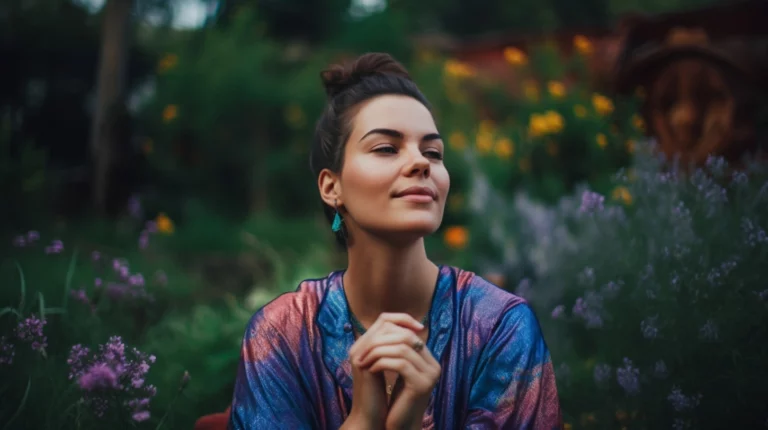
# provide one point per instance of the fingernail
(420, 325)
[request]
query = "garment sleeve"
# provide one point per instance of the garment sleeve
(514, 383)
(268, 389)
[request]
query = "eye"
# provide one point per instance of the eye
(386, 150)
(434, 154)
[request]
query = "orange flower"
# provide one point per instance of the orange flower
(515, 56)
(580, 111)
(170, 113)
(556, 89)
(603, 105)
(484, 142)
(631, 147)
(638, 122)
(167, 63)
(456, 237)
(582, 44)
(602, 140)
(505, 148)
(531, 90)
(164, 224)
(457, 69)
(622, 194)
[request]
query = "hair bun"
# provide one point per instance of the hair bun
(339, 77)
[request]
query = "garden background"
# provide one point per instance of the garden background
(156, 192)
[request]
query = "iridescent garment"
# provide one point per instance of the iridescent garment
(295, 373)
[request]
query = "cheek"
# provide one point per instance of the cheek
(442, 180)
(365, 179)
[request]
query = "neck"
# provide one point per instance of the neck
(382, 277)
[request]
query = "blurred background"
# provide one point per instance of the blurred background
(605, 159)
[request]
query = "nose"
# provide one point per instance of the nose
(417, 164)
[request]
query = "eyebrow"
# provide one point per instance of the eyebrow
(398, 135)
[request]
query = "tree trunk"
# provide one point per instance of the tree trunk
(109, 93)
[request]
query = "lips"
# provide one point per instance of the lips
(418, 191)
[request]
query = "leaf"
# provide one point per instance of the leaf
(21, 405)
(42, 305)
(23, 288)
(70, 275)
(11, 310)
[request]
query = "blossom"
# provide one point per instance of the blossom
(170, 113)
(628, 377)
(591, 202)
(582, 45)
(681, 402)
(458, 69)
(457, 140)
(7, 351)
(19, 241)
(602, 373)
(504, 148)
(98, 376)
(603, 105)
(602, 140)
(56, 247)
(649, 327)
(580, 111)
(164, 224)
(558, 311)
(456, 237)
(515, 56)
(31, 331)
(556, 89)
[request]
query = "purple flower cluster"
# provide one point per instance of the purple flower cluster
(31, 331)
(28, 239)
(113, 370)
(558, 311)
(602, 374)
(589, 308)
(7, 351)
(56, 247)
(628, 377)
(149, 228)
(680, 402)
(591, 202)
(650, 327)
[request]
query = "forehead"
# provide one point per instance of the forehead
(396, 112)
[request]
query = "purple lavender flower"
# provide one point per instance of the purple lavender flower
(602, 374)
(660, 369)
(19, 241)
(649, 327)
(558, 311)
(80, 296)
(124, 272)
(680, 402)
(33, 236)
(78, 357)
(56, 247)
(7, 351)
(591, 202)
(589, 309)
(579, 308)
(99, 376)
(140, 416)
(144, 240)
(116, 264)
(116, 291)
(628, 378)
(31, 331)
(136, 280)
(709, 331)
(151, 226)
(134, 206)
(97, 283)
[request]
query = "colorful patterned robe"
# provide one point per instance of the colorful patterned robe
(295, 373)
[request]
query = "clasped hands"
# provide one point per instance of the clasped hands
(392, 344)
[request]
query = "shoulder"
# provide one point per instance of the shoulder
(291, 311)
(493, 310)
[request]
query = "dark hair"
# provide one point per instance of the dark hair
(348, 85)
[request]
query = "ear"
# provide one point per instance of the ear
(330, 188)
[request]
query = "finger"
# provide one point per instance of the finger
(404, 368)
(395, 351)
(390, 336)
(401, 319)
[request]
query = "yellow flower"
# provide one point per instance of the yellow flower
(580, 111)
(554, 121)
(505, 148)
(631, 147)
(622, 193)
(170, 113)
(525, 165)
(457, 140)
(582, 44)
(603, 105)
(638, 122)
(487, 126)
(602, 140)
(484, 142)
(457, 69)
(537, 125)
(515, 56)
(456, 237)
(294, 116)
(552, 149)
(167, 63)
(426, 56)
(567, 426)
(531, 90)
(164, 224)
(556, 89)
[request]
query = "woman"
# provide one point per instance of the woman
(394, 341)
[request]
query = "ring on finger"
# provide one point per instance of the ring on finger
(418, 345)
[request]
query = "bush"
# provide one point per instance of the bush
(653, 299)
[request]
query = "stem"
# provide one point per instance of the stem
(168, 410)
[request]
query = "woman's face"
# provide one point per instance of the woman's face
(393, 182)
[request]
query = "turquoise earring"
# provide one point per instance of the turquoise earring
(337, 220)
